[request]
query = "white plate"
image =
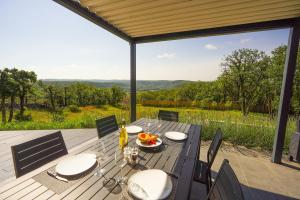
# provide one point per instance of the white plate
(150, 184)
(158, 143)
(75, 165)
(133, 129)
(173, 135)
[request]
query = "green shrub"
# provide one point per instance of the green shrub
(26, 117)
(228, 105)
(74, 109)
(58, 116)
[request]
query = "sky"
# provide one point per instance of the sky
(43, 36)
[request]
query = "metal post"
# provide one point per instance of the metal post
(132, 81)
(286, 92)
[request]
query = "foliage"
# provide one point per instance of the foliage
(253, 131)
(244, 71)
(23, 118)
(14, 82)
(142, 85)
(74, 108)
(58, 116)
(250, 82)
(25, 80)
(117, 94)
(275, 74)
(4, 90)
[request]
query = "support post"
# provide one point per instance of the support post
(132, 81)
(286, 92)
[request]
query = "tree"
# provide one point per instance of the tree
(276, 74)
(54, 96)
(13, 87)
(4, 91)
(26, 80)
(82, 93)
(102, 96)
(187, 92)
(244, 71)
(117, 95)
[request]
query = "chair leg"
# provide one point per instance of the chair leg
(209, 178)
(208, 181)
(207, 188)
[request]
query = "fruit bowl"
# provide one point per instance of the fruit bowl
(147, 138)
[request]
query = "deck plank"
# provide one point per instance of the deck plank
(72, 138)
(45, 195)
(37, 192)
(91, 187)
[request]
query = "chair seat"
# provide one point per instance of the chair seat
(200, 172)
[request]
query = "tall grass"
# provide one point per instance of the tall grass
(255, 130)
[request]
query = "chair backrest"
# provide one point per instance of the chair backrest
(31, 155)
(226, 185)
(214, 147)
(168, 115)
(106, 125)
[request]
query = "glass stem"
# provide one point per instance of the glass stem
(121, 172)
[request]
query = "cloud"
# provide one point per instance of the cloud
(166, 56)
(244, 41)
(211, 47)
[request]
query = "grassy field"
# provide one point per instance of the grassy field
(255, 130)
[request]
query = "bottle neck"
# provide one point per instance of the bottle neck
(123, 125)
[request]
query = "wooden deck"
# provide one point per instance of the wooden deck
(260, 178)
(174, 157)
(72, 137)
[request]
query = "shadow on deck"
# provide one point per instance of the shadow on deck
(260, 178)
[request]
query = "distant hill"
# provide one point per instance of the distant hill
(141, 84)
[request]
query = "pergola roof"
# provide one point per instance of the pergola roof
(139, 21)
(145, 19)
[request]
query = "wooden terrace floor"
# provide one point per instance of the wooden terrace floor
(260, 178)
(72, 137)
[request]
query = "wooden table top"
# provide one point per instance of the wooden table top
(175, 157)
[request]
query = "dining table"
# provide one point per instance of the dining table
(177, 158)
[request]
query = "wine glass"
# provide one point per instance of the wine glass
(120, 161)
(158, 125)
(101, 155)
(148, 124)
(100, 150)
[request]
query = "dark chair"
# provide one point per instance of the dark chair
(33, 154)
(168, 115)
(226, 186)
(203, 169)
(106, 125)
